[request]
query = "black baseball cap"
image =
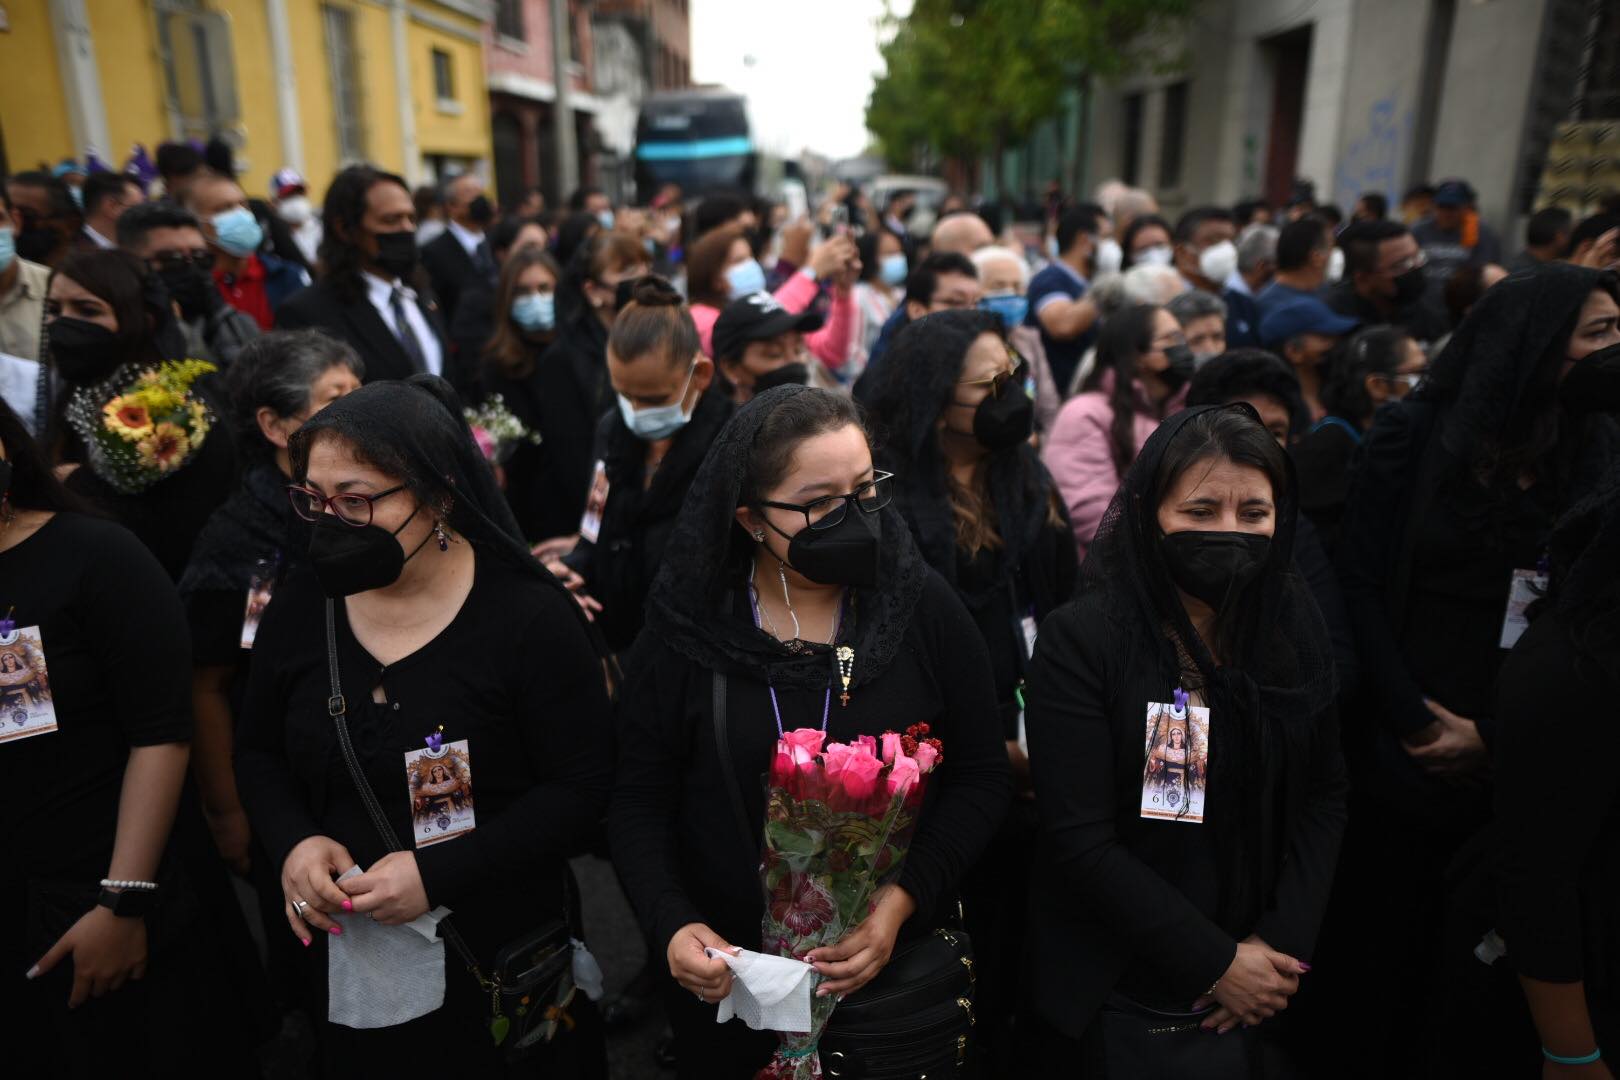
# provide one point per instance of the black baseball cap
(757, 317)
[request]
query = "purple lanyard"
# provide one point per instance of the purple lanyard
(826, 704)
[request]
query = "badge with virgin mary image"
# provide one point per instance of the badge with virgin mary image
(1177, 761)
(26, 708)
(440, 780)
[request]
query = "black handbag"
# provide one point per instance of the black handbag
(531, 983)
(915, 1019)
(1142, 1041)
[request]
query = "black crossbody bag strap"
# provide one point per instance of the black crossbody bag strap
(337, 709)
(722, 745)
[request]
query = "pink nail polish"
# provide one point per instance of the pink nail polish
(335, 931)
(1303, 966)
(305, 940)
(348, 905)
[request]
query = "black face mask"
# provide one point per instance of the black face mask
(1593, 384)
(85, 352)
(1007, 420)
(396, 252)
(350, 560)
(1409, 287)
(1214, 566)
(192, 289)
(480, 212)
(35, 243)
(1182, 364)
(845, 554)
(794, 374)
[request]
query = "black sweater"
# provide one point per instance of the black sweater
(1123, 901)
(513, 674)
(676, 842)
(1558, 815)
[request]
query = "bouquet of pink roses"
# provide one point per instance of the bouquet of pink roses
(838, 821)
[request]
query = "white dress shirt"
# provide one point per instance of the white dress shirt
(381, 294)
(468, 239)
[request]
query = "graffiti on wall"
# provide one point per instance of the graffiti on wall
(1375, 160)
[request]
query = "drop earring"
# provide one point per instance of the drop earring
(443, 537)
(759, 536)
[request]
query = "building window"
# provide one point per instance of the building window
(509, 19)
(575, 52)
(1131, 152)
(1173, 136)
(343, 60)
(444, 83)
(198, 69)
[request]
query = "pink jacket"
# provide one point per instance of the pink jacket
(1078, 452)
(831, 344)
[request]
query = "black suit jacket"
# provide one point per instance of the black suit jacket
(357, 322)
(452, 270)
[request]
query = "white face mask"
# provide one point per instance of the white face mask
(1218, 262)
(658, 421)
(1335, 266)
(1157, 255)
(1110, 256)
(295, 211)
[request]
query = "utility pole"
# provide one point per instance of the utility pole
(564, 149)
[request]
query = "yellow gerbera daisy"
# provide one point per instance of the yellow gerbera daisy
(127, 417)
(165, 448)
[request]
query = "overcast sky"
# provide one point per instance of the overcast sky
(813, 66)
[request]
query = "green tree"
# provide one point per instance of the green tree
(966, 78)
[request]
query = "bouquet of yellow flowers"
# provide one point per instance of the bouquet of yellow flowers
(143, 426)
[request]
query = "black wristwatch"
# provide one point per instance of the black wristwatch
(129, 903)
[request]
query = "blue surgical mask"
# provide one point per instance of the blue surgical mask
(745, 279)
(8, 248)
(659, 421)
(894, 268)
(535, 311)
(238, 232)
(605, 218)
(1010, 306)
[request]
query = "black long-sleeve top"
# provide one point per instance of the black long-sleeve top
(1558, 812)
(676, 842)
(118, 676)
(513, 674)
(1122, 901)
(1426, 563)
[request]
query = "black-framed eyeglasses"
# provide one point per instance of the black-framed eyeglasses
(829, 510)
(349, 507)
(202, 259)
(1000, 379)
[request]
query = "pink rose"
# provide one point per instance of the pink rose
(903, 775)
(782, 770)
(925, 758)
(809, 739)
(892, 747)
(834, 757)
(859, 776)
(486, 444)
(866, 744)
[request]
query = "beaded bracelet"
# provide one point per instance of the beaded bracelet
(1584, 1059)
(113, 883)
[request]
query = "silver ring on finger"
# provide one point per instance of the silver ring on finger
(301, 907)
(702, 998)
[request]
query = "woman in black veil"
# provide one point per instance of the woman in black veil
(448, 635)
(1452, 500)
(754, 606)
(1202, 915)
(954, 416)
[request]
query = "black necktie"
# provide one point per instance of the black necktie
(484, 262)
(403, 331)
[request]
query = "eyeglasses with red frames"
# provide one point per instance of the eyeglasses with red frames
(349, 507)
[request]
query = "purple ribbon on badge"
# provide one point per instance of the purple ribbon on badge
(8, 625)
(435, 741)
(1181, 700)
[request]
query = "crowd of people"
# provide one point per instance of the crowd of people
(1255, 570)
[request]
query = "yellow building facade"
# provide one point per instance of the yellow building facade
(310, 84)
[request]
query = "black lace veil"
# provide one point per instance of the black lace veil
(691, 605)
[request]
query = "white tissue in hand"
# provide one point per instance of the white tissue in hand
(379, 976)
(768, 993)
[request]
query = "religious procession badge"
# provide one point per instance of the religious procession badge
(26, 707)
(439, 777)
(1176, 769)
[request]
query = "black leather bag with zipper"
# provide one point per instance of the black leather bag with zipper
(531, 983)
(915, 1018)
